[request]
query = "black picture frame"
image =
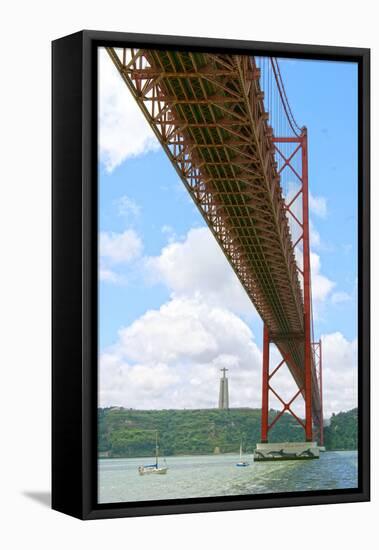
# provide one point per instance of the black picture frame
(74, 273)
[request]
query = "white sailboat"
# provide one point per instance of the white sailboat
(153, 468)
(241, 463)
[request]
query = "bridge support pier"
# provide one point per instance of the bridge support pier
(265, 452)
(265, 385)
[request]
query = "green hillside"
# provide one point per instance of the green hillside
(342, 434)
(131, 433)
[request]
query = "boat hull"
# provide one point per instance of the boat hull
(157, 471)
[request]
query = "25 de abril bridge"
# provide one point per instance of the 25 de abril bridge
(227, 127)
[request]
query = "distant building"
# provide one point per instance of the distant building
(223, 400)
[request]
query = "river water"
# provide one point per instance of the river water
(217, 475)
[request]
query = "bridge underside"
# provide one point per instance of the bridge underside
(208, 113)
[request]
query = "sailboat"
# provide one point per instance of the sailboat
(241, 462)
(153, 468)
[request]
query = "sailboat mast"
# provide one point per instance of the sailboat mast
(156, 449)
(241, 451)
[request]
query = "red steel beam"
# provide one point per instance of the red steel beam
(321, 398)
(265, 384)
(307, 291)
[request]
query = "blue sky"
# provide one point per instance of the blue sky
(154, 246)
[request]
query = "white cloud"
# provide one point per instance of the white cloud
(109, 276)
(185, 329)
(171, 357)
(124, 131)
(196, 266)
(340, 373)
(120, 247)
(117, 249)
(321, 285)
(314, 236)
(152, 379)
(132, 385)
(318, 205)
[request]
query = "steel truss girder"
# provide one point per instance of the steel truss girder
(245, 169)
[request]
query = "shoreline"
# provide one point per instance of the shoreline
(205, 454)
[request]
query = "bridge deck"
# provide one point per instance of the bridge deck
(208, 113)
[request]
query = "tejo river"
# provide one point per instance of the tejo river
(217, 475)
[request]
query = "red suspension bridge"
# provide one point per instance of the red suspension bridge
(226, 125)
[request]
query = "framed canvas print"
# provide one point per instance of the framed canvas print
(210, 274)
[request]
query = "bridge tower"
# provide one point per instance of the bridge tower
(223, 400)
(298, 211)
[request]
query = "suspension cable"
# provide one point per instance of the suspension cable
(283, 96)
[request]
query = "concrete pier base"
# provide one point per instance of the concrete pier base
(286, 451)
